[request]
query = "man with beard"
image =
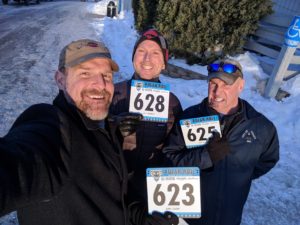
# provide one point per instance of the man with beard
(60, 164)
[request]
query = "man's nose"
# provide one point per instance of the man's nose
(217, 89)
(147, 56)
(99, 80)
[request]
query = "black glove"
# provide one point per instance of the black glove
(217, 147)
(138, 215)
(168, 218)
(127, 122)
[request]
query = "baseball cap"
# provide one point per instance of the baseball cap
(82, 50)
(153, 35)
(227, 70)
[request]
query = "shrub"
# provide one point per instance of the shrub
(203, 30)
(144, 13)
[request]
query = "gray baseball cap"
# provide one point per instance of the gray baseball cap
(82, 50)
(227, 70)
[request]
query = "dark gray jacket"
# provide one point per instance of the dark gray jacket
(142, 149)
(254, 150)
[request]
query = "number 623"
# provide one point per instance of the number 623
(159, 197)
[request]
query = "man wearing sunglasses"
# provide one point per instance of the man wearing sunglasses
(247, 147)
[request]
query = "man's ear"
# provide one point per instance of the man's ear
(241, 85)
(60, 79)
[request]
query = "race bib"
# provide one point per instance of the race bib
(175, 189)
(150, 99)
(197, 131)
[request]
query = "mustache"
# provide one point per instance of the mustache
(94, 91)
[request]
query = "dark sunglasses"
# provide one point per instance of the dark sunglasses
(225, 67)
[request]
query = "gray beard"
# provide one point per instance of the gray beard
(92, 113)
(86, 109)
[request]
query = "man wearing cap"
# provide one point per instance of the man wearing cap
(247, 147)
(60, 164)
(142, 144)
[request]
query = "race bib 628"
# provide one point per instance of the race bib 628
(151, 99)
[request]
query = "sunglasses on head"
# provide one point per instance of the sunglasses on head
(225, 67)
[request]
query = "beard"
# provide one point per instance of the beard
(95, 109)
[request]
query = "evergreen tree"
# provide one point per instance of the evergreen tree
(204, 30)
(144, 13)
(135, 8)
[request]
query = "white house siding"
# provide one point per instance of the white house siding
(269, 37)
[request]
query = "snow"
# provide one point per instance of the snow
(274, 199)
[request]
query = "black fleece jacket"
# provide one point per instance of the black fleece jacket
(254, 150)
(57, 167)
(143, 149)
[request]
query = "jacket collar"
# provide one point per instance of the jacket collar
(91, 124)
(61, 102)
(227, 122)
(137, 77)
(211, 111)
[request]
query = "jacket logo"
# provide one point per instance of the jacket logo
(249, 136)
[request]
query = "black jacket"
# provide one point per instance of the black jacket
(254, 150)
(143, 148)
(57, 167)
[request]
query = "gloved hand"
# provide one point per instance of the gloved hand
(138, 215)
(127, 122)
(217, 147)
(168, 218)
